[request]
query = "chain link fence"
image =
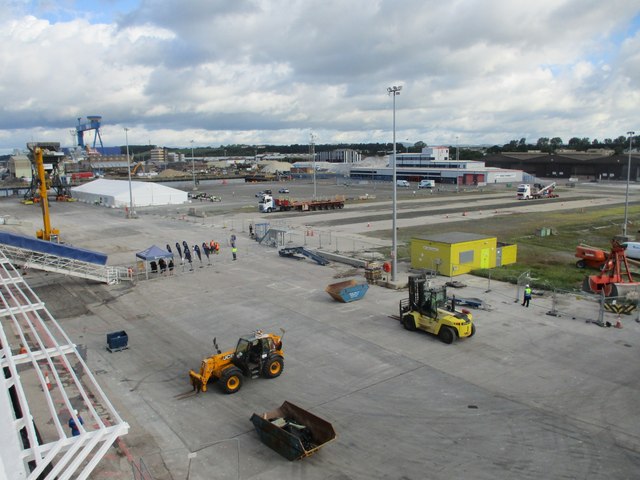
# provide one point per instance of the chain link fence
(289, 234)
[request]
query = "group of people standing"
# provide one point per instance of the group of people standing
(162, 266)
(212, 247)
(186, 254)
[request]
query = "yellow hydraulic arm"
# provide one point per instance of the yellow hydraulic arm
(47, 233)
(136, 167)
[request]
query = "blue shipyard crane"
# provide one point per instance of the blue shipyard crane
(92, 123)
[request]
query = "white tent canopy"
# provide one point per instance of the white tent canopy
(115, 193)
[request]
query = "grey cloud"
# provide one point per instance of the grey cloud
(476, 69)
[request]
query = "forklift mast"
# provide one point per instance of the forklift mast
(423, 299)
(416, 291)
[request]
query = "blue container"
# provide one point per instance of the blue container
(117, 341)
(348, 291)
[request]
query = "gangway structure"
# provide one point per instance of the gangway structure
(293, 252)
(45, 384)
(273, 237)
(52, 257)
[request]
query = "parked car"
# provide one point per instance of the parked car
(260, 194)
(283, 190)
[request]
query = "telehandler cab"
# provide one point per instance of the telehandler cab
(256, 355)
(426, 309)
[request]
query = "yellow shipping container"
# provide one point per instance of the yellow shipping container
(456, 253)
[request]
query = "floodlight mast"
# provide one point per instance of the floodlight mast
(130, 213)
(626, 196)
(394, 91)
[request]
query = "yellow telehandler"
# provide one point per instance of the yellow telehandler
(256, 355)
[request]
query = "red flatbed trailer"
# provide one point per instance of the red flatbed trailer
(286, 204)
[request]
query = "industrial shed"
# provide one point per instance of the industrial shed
(458, 252)
(115, 193)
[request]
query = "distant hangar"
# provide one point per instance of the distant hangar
(434, 164)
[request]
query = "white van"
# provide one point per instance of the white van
(427, 184)
(632, 249)
(402, 183)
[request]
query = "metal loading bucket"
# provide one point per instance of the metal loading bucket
(348, 291)
(292, 431)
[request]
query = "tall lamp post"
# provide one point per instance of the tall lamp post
(626, 196)
(394, 91)
(193, 167)
(457, 162)
(313, 160)
(130, 214)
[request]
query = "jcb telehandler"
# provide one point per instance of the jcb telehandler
(426, 309)
(256, 355)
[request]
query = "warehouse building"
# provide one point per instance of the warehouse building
(346, 155)
(597, 164)
(433, 163)
(457, 253)
(450, 172)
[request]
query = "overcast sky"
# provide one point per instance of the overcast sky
(276, 71)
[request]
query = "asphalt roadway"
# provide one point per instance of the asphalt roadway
(530, 396)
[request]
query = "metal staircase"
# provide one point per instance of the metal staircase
(292, 252)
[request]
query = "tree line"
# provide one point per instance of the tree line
(550, 145)
(301, 151)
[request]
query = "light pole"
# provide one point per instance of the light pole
(126, 139)
(313, 160)
(394, 91)
(457, 159)
(626, 196)
(193, 167)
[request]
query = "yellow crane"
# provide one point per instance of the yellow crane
(47, 233)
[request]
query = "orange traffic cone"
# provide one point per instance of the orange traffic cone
(47, 381)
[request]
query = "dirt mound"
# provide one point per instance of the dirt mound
(171, 173)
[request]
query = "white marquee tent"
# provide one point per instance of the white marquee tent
(115, 193)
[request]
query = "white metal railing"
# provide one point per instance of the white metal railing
(66, 266)
(45, 381)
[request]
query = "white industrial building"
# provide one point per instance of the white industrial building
(433, 163)
(344, 155)
(115, 194)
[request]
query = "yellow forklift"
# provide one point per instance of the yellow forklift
(428, 309)
(256, 355)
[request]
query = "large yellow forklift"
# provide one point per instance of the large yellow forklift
(256, 355)
(428, 309)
